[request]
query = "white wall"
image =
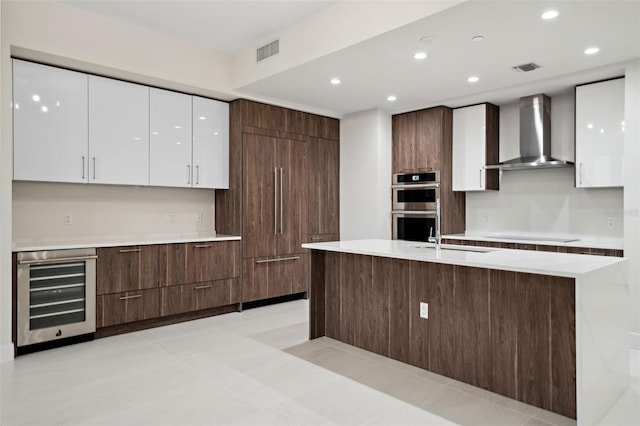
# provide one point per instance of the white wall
(365, 175)
(544, 201)
(632, 188)
(106, 211)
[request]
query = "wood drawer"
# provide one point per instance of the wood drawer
(120, 269)
(267, 277)
(129, 306)
(178, 299)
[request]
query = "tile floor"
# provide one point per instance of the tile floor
(251, 368)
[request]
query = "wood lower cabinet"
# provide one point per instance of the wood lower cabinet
(324, 187)
(267, 277)
(508, 332)
(121, 269)
(178, 299)
(130, 306)
(200, 262)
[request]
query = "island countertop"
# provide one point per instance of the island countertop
(546, 263)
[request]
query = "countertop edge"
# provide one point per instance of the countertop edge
(122, 243)
(605, 245)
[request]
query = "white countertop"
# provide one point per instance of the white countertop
(536, 262)
(542, 239)
(118, 241)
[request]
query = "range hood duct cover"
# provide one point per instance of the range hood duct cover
(535, 136)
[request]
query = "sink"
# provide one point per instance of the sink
(446, 247)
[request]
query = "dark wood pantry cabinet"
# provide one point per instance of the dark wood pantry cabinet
(283, 192)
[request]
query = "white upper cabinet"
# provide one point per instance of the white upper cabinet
(49, 123)
(170, 147)
(118, 132)
(600, 134)
(474, 144)
(210, 143)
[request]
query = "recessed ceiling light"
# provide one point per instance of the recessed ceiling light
(477, 38)
(591, 50)
(336, 81)
(202, 117)
(550, 14)
(44, 108)
(473, 79)
(35, 98)
(177, 127)
(391, 98)
(428, 39)
(420, 55)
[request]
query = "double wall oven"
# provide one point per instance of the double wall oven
(414, 205)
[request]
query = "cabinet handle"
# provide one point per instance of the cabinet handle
(203, 245)
(316, 238)
(202, 287)
(188, 174)
(281, 208)
(130, 297)
(83, 167)
(480, 178)
(425, 169)
(197, 175)
(135, 250)
(278, 260)
(598, 253)
(275, 201)
(94, 168)
(580, 173)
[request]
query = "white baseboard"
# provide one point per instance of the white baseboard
(6, 352)
(634, 340)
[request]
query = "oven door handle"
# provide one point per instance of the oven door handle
(417, 186)
(414, 212)
(58, 260)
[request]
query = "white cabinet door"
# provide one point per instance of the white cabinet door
(600, 134)
(210, 143)
(118, 132)
(49, 123)
(170, 147)
(469, 148)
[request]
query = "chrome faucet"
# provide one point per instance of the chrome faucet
(438, 238)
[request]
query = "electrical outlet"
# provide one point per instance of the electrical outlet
(169, 217)
(484, 218)
(197, 218)
(610, 222)
(424, 310)
(68, 220)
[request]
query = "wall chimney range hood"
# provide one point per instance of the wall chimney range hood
(535, 137)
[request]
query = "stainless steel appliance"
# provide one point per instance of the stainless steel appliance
(56, 295)
(415, 198)
(415, 191)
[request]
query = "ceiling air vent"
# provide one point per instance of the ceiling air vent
(527, 67)
(267, 51)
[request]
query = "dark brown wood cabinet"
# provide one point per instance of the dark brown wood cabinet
(422, 141)
(126, 307)
(537, 247)
(121, 269)
(274, 154)
(178, 299)
(324, 189)
(200, 262)
(509, 332)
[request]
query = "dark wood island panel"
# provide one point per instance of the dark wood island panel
(511, 333)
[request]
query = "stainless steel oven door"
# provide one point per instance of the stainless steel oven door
(421, 197)
(56, 295)
(413, 225)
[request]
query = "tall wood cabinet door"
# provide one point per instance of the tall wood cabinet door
(118, 132)
(259, 198)
(404, 140)
(121, 269)
(49, 123)
(324, 186)
(292, 194)
(429, 125)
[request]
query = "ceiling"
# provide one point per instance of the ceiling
(221, 25)
(513, 32)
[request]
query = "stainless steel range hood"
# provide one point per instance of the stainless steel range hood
(535, 137)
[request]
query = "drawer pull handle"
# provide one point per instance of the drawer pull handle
(202, 287)
(598, 253)
(278, 260)
(136, 250)
(316, 238)
(130, 297)
(203, 245)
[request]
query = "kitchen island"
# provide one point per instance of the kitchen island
(548, 329)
